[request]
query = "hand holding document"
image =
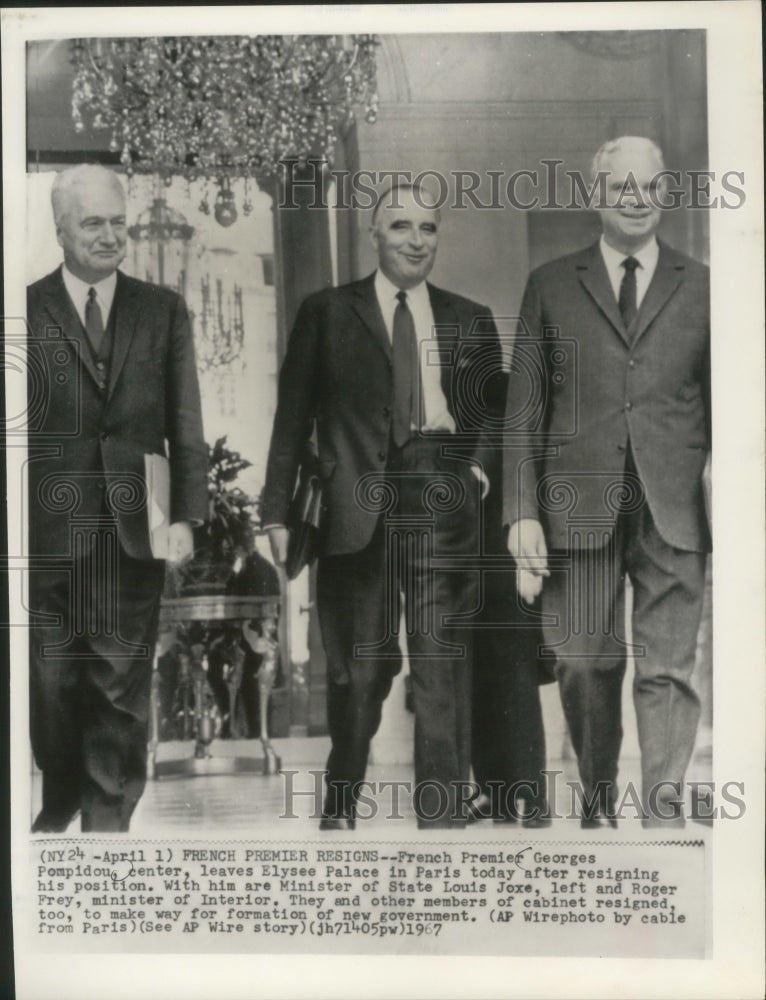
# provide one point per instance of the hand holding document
(157, 473)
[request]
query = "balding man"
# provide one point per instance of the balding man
(608, 431)
(115, 360)
(396, 376)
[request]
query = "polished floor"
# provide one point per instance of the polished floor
(258, 805)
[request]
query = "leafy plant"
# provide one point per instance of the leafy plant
(233, 513)
(229, 530)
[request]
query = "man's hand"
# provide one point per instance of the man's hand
(278, 538)
(180, 543)
(526, 543)
(482, 477)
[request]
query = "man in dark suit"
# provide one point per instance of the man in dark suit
(392, 371)
(608, 430)
(508, 738)
(113, 375)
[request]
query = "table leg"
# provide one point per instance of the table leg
(154, 720)
(266, 675)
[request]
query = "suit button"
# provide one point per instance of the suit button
(381, 455)
(103, 436)
(628, 406)
(631, 363)
(100, 365)
(620, 447)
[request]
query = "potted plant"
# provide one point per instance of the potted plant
(229, 530)
(220, 565)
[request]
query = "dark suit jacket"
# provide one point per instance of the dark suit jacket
(87, 446)
(338, 371)
(580, 388)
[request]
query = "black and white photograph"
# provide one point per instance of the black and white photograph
(384, 457)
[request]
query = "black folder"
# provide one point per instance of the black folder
(304, 519)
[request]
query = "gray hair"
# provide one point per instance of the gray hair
(624, 143)
(387, 198)
(81, 176)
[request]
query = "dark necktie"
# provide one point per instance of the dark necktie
(627, 300)
(406, 372)
(94, 322)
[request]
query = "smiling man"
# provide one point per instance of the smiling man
(608, 431)
(387, 369)
(112, 366)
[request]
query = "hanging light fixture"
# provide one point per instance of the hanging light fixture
(166, 234)
(222, 107)
(221, 327)
(225, 210)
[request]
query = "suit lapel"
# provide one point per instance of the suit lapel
(592, 273)
(447, 336)
(365, 304)
(666, 279)
(64, 315)
(126, 317)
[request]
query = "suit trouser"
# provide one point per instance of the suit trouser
(90, 681)
(508, 739)
(508, 734)
(431, 519)
(585, 597)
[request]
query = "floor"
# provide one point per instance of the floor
(223, 804)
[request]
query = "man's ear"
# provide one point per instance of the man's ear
(58, 236)
(374, 236)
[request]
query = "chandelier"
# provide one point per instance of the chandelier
(222, 327)
(222, 107)
(162, 228)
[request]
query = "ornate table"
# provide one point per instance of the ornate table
(203, 726)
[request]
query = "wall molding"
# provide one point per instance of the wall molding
(502, 110)
(393, 68)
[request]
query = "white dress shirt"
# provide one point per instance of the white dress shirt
(78, 293)
(647, 264)
(437, 416)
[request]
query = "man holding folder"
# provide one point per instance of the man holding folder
(118, 383)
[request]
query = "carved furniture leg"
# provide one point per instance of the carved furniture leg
(266, 674)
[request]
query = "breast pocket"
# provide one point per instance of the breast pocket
(326, 469)
(148, 355)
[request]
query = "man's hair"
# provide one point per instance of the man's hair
(624, 143)
(81, 176)
(385, 198)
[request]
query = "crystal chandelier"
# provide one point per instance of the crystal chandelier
(222, 107)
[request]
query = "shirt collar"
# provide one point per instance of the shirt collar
(387, 291)
(647, 256)
(78, 289)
